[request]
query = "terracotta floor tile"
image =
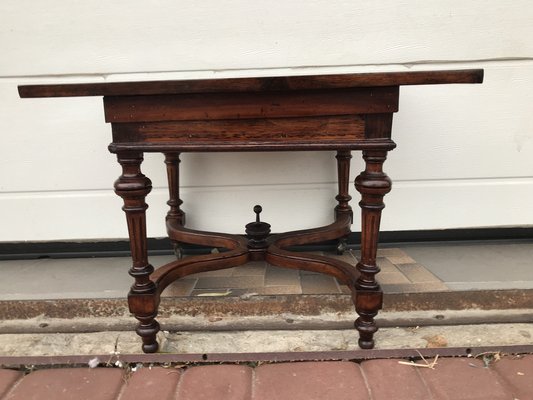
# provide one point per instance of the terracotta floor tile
(518, 373)
(401, 260)
(319, 284)
(220, 382)
(389, 380)
(252, 268)
(232, 282)
(348, 257)
(417, 273)
(69, 383)
(463, 379)
(7, 379)
(181, 287)
(392, 278)
(391, 252)
(386, 266)
(275, 276)
(310, 381)
(151, 383)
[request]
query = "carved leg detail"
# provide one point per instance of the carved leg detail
(343, 198)
(172, 160)
(143, 299)
(373, 184)
(141, 306)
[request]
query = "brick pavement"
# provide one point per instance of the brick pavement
(452, 378)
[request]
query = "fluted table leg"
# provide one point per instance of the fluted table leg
(143, 299)
(373, 184)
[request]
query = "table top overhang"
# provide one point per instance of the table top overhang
(259, 84)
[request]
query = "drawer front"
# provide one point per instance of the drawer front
(216, 106)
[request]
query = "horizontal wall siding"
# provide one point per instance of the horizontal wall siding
(77, 37)
(464, 156)
(410, 206)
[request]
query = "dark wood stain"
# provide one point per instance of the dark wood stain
(296, 113)
(266, 84)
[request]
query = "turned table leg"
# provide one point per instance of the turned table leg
(172, 161)
(143, 299)
(343, 198)
(373, 184)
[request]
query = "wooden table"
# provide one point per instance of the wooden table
(339, 113)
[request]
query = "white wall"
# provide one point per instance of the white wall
(464, 156)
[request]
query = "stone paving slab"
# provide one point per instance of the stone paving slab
(451, 378)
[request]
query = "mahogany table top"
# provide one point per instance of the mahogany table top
(258, 84)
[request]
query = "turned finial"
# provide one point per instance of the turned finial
(257, 211)
(257, 231)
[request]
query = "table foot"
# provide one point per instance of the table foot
(366, 327)
(342, 246)
(178, 250)
(144, 307)
(147, 330)
(367, 303)
(150, 348)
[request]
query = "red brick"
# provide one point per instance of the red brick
(518, 373)
(152, 383)
(309, 381)
(463, 379)
(387, 380)
(7, 378)
(68, 384)
(220, 382)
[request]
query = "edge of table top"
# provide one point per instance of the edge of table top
(259, 84)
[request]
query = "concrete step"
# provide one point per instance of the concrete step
(286, 312)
